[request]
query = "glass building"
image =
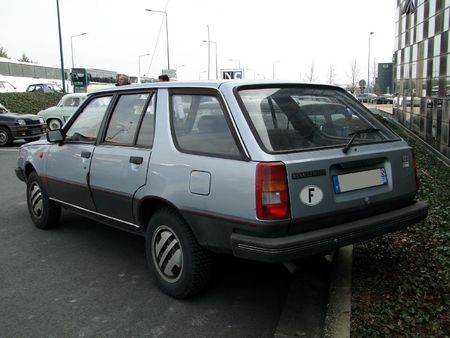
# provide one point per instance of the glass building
(422, 70)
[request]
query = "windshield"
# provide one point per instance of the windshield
(294, 118)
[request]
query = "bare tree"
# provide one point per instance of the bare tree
(3, 53)
(354, 75)
(311, 75)
(331, 75)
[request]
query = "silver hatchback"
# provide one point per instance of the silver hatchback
(266, 171)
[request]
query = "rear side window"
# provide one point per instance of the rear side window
(294, 119)
(200, 125)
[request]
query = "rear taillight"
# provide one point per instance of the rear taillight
(415, 169)
(272, 195)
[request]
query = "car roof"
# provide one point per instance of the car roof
(215, 84)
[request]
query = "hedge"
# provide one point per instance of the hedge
(29, 103)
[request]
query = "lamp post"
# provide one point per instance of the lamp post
(273, 69)
(200, 74)
(139, 63)
(176, 69)
(368, 68)
(238, 61)
(215, 44)
(71, 44)
(63, 76)
(167, 34)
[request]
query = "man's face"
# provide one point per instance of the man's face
(122, 80)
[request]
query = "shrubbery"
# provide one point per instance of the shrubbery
(29, 103)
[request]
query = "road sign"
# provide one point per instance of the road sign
(232, 74)
(172, 73)
(362, 83)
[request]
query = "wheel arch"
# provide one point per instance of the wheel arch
(147, 206)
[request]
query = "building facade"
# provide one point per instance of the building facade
(422, 70)
(383, 83)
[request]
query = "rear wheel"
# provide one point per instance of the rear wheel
(54, 124)
(5, 137)
(43, 212)
(182, 267)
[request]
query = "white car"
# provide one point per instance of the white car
(56, 116)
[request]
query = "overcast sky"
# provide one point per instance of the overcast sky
(257, 33)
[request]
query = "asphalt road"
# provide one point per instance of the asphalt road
(84, 279)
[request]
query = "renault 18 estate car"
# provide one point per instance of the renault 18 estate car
(264, 171)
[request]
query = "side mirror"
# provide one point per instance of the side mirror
(55, 135)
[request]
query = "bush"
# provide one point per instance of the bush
(29, 103)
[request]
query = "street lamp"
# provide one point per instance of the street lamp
(368, 68)
(215, 44)
(238, 61)
(71, 43)
(63, 76)
(139, 62)
(167, 34)
(200, 74)
(176, 69)
(273, 69)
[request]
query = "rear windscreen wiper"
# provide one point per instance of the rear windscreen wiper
(355, 134)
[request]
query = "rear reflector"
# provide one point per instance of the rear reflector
(272, 194)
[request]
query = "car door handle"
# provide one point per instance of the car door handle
(136, 159)
(85, 154)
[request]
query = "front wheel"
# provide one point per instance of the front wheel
(54, 124)
(43, 212)
(5, 137)
(182, 267)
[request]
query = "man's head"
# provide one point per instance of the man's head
(122, 79)
(163, 78)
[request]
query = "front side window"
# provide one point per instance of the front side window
(125, 119)
(200, 125)
(294, 119)
(85, 127)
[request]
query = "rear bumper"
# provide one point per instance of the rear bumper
(305, 244)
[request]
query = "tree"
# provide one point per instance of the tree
(311, 75)
(354, 75)
(331, 75)
(3, 53)
(25, 58)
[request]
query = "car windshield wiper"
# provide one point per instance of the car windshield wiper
(355, 134)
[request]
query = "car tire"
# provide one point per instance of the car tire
(181, 266)
(5, 137)
(43, 212)
(54, 124)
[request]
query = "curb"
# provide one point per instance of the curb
(337, 320)
(318, 305)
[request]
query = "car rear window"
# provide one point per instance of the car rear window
(286, 119)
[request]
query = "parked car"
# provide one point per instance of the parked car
(56, 116)
(7, 87)
(382, 99)
(264, 171)
(19, 126)
(44, 88)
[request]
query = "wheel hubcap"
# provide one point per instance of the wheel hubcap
(3, 137)
(36, 200)
(54, 124)
(167, 254)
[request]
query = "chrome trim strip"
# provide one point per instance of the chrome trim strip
(95, 213)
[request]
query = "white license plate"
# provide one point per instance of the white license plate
(359, 180)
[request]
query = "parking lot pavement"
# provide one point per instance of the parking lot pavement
(87, 279)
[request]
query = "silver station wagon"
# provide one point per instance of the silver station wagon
(266, 171)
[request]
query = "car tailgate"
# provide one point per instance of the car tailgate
(336, 188)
